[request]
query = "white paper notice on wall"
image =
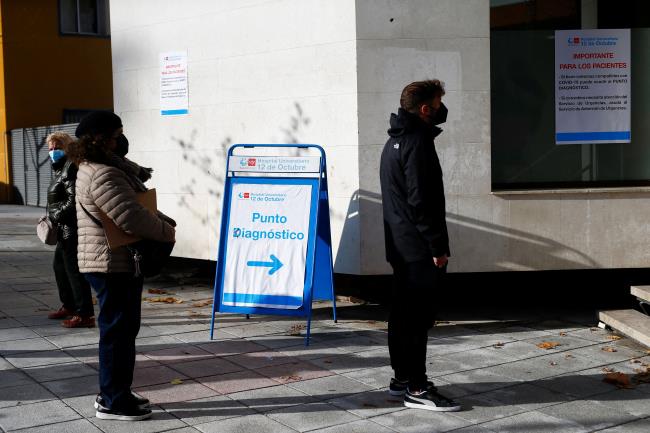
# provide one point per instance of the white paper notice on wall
(174, 94)
(592, 86)
(266, 246)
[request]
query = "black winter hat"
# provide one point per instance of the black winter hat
(98, 122)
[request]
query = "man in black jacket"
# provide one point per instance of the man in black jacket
(417, 244)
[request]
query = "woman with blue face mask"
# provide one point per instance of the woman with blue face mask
(74, 290)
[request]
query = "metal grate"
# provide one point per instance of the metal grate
(31, 168)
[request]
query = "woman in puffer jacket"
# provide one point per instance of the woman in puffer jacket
(106, 185)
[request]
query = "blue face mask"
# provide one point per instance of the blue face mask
(56, 155)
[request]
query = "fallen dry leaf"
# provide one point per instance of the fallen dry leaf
(621, 380)
(157, 291)
(295, 329)
(166, 300)
(594, 329)
(94, 300)
(607, 370)
(203, 303)
(562, 334)
(553, 363)
(498, 345)
(327, 362)
(635, 361)
(369, 405)
(568, 355)
(291, 378)
(176, 381)
(609, 349)
(548, 345)
(613, 337)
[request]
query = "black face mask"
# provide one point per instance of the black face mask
(122, 147)
(440, 116)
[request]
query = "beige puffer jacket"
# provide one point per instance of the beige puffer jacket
(108, 189)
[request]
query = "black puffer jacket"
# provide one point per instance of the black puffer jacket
(60, 199)
(412, 191)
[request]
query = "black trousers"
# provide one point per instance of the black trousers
(119, 297)
(411, 316)
(74, 290)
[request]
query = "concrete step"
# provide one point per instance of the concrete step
(632, 323)
(641, 292)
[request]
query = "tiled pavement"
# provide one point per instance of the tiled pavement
(257, 376)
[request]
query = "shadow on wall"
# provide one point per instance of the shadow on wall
(212, 174)
(510, 249)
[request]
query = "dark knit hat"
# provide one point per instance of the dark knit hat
(98, 123)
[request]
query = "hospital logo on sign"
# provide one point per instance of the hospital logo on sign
(250, 162)
(574, 41)
(244, 195)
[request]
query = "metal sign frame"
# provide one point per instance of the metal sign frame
(319, 278)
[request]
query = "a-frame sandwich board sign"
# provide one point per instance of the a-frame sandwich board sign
(275, 248)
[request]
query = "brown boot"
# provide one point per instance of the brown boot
(79, 322)
(61, 313)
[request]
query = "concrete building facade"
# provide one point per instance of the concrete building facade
(331, 72)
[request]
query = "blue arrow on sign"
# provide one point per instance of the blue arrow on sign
(274, 264)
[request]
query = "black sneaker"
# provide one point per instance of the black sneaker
(141, 402)
(397, 387)
(430, 399)
(133, 413)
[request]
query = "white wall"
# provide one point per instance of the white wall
(331, 72)
(400, 42)
(259, 71)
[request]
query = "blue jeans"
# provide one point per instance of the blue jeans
(119, 296)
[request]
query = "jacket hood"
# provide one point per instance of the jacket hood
(404, 123)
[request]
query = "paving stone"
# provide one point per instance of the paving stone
(640, 426)
(205, 410)
(156, 375)
(87, 338)
(60, 371)
(331, 387)
(13, 347)
(231, 347)
(170, 393)
(481, 408)
(76, 426)
(576, 385)
(373, 377)
(275, 341)
(312, 416)
(294, 371)
(482, 380)
(528, 396)
(265, 358)
(244, 424)
(203, 336)
(206, 367)
(159, 421)
(73, 387)
(159, 342)
(41, 358)
(9, 378)
(410, 420)
(23, 416)
(83, 404)
(253, 330)
(181, 353)
(236, 382)
(477, 358)
(589, 414)
(271, 398)
(533, 422)
(24, 394)
(629, 401)
(17, 334)
(8, 322)
(369, 404)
